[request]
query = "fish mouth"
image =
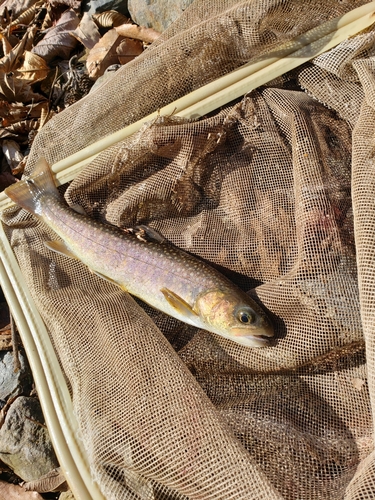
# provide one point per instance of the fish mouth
(266, 331)
(252, 340)
(260, 337)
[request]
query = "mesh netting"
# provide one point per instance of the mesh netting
(277, 189)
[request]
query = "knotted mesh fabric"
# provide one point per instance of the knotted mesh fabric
(277, 190)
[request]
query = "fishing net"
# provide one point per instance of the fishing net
(277, 190)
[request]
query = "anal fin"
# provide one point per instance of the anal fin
(178, 303)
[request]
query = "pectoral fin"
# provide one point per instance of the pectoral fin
(150, 234)
(181, 306)
(60, 247)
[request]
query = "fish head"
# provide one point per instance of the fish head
(234, 315)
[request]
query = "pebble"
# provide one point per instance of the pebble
(11, 383)
(25, 445)
(156, 14)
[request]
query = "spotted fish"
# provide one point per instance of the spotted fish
(159, 273)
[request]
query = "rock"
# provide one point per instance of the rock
(94, 6)
(66, 495)
(25, 445)
(12, 383)
(156, 14)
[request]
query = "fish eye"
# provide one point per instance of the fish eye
(245, 317)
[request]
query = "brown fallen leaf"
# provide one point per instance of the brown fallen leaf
(12, 60)
(27, 16)
(16, 7)
(6, 330)
(14, 492)
(53, 481)
(87, 32)
(13, 112)
(48, 19)
(5, 342)
(13, 89)
(109, 19)
(59, 41)
(34, 68)
(103, 54)
(23, 127)
(128, 50)
(6, 134)
(7, 46)
(147, 35)
(21, 166)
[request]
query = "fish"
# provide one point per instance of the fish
(150, 268)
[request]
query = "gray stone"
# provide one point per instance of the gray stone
(25, 445)
(93, 6)
(156, 14)
(12, 383)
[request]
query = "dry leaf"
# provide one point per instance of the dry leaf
(128, 50)
(87, 32)
(13, 89)
(21, 167)
(22, 128)
(5, 339)
(59, 41)
(53, 481)
(27, 16)
(109, 19)
(33, 69)
(13, 112)
(147, 35)
(14, 492)
(7, 47)
(6, 330)
(11, 61)
(16, 7)
(103, 54)
(6, 134)
(48, 19)
(12, 152)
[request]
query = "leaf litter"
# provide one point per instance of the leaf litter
(50, 56)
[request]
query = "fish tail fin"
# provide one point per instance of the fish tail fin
(27, 192)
